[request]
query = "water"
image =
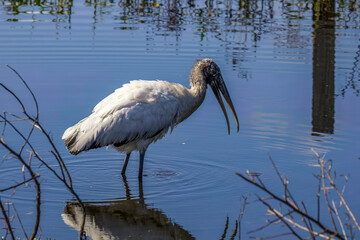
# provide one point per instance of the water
(292, 70)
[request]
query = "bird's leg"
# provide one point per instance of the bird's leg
(141, 193)
(127, 189)
(141, 164)
(123, 170)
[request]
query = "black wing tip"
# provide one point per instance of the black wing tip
(72, 151)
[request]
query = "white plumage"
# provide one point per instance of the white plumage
(141, 112)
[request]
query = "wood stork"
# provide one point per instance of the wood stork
(141, 112)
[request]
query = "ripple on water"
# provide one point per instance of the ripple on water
(184, 177)
(273, 131)
(97, 175)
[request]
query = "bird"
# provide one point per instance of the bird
(142, 112)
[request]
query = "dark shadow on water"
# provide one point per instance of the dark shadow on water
(128, 218)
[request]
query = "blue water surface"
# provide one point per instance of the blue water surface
(292, 70)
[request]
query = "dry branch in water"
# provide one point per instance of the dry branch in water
(296, 218)
(29, 161)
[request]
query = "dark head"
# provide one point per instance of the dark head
(212, 76)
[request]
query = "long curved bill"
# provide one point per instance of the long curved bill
(218, 85)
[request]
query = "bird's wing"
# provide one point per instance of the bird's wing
(138, 110)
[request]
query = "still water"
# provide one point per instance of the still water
(292, 69)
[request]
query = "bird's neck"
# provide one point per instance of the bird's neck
(198, 86)
(197, 91)
(193, 97)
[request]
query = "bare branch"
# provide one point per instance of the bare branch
(283, 181)
(350, 227)
(19, 184)
(269, 223)
(32, 148)
(31, 92)
(14, 95)
(19, 219)
(325, 190)
(242, 212)
(64, 177)
(318, 196)
(275, 236)
(37, 184)
(57, 153)
(277, 213)
(27, 139)
(339, 220)
(9, 228)
(59, 162)
(307, 222)
(291, 206)
(281, 217)
(338, 192)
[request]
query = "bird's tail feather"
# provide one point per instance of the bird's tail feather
(77, 140)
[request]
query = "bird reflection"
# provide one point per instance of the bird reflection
(129, 218)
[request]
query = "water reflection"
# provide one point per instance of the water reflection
(239, 25)
(129, 218)
(54, 8)
(353, 82)
(323, 101)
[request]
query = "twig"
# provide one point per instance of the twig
(57, 153)
(34, 121)
(318, 197)
(19, 184)
(7, 221)
(338, 192)
(281, 217)
(282, 181)
(18, 119)
(33, 150)
(14, 95)
(37, 184)
(31, 92)
(325, 190)
(307, 223)
(242, 212)
(19, 219)
(339, 220)
(275, 236)
(352, 235)
(59, 162)
(277, 213)
(27, 139)
(290, 205)
(266, 225)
